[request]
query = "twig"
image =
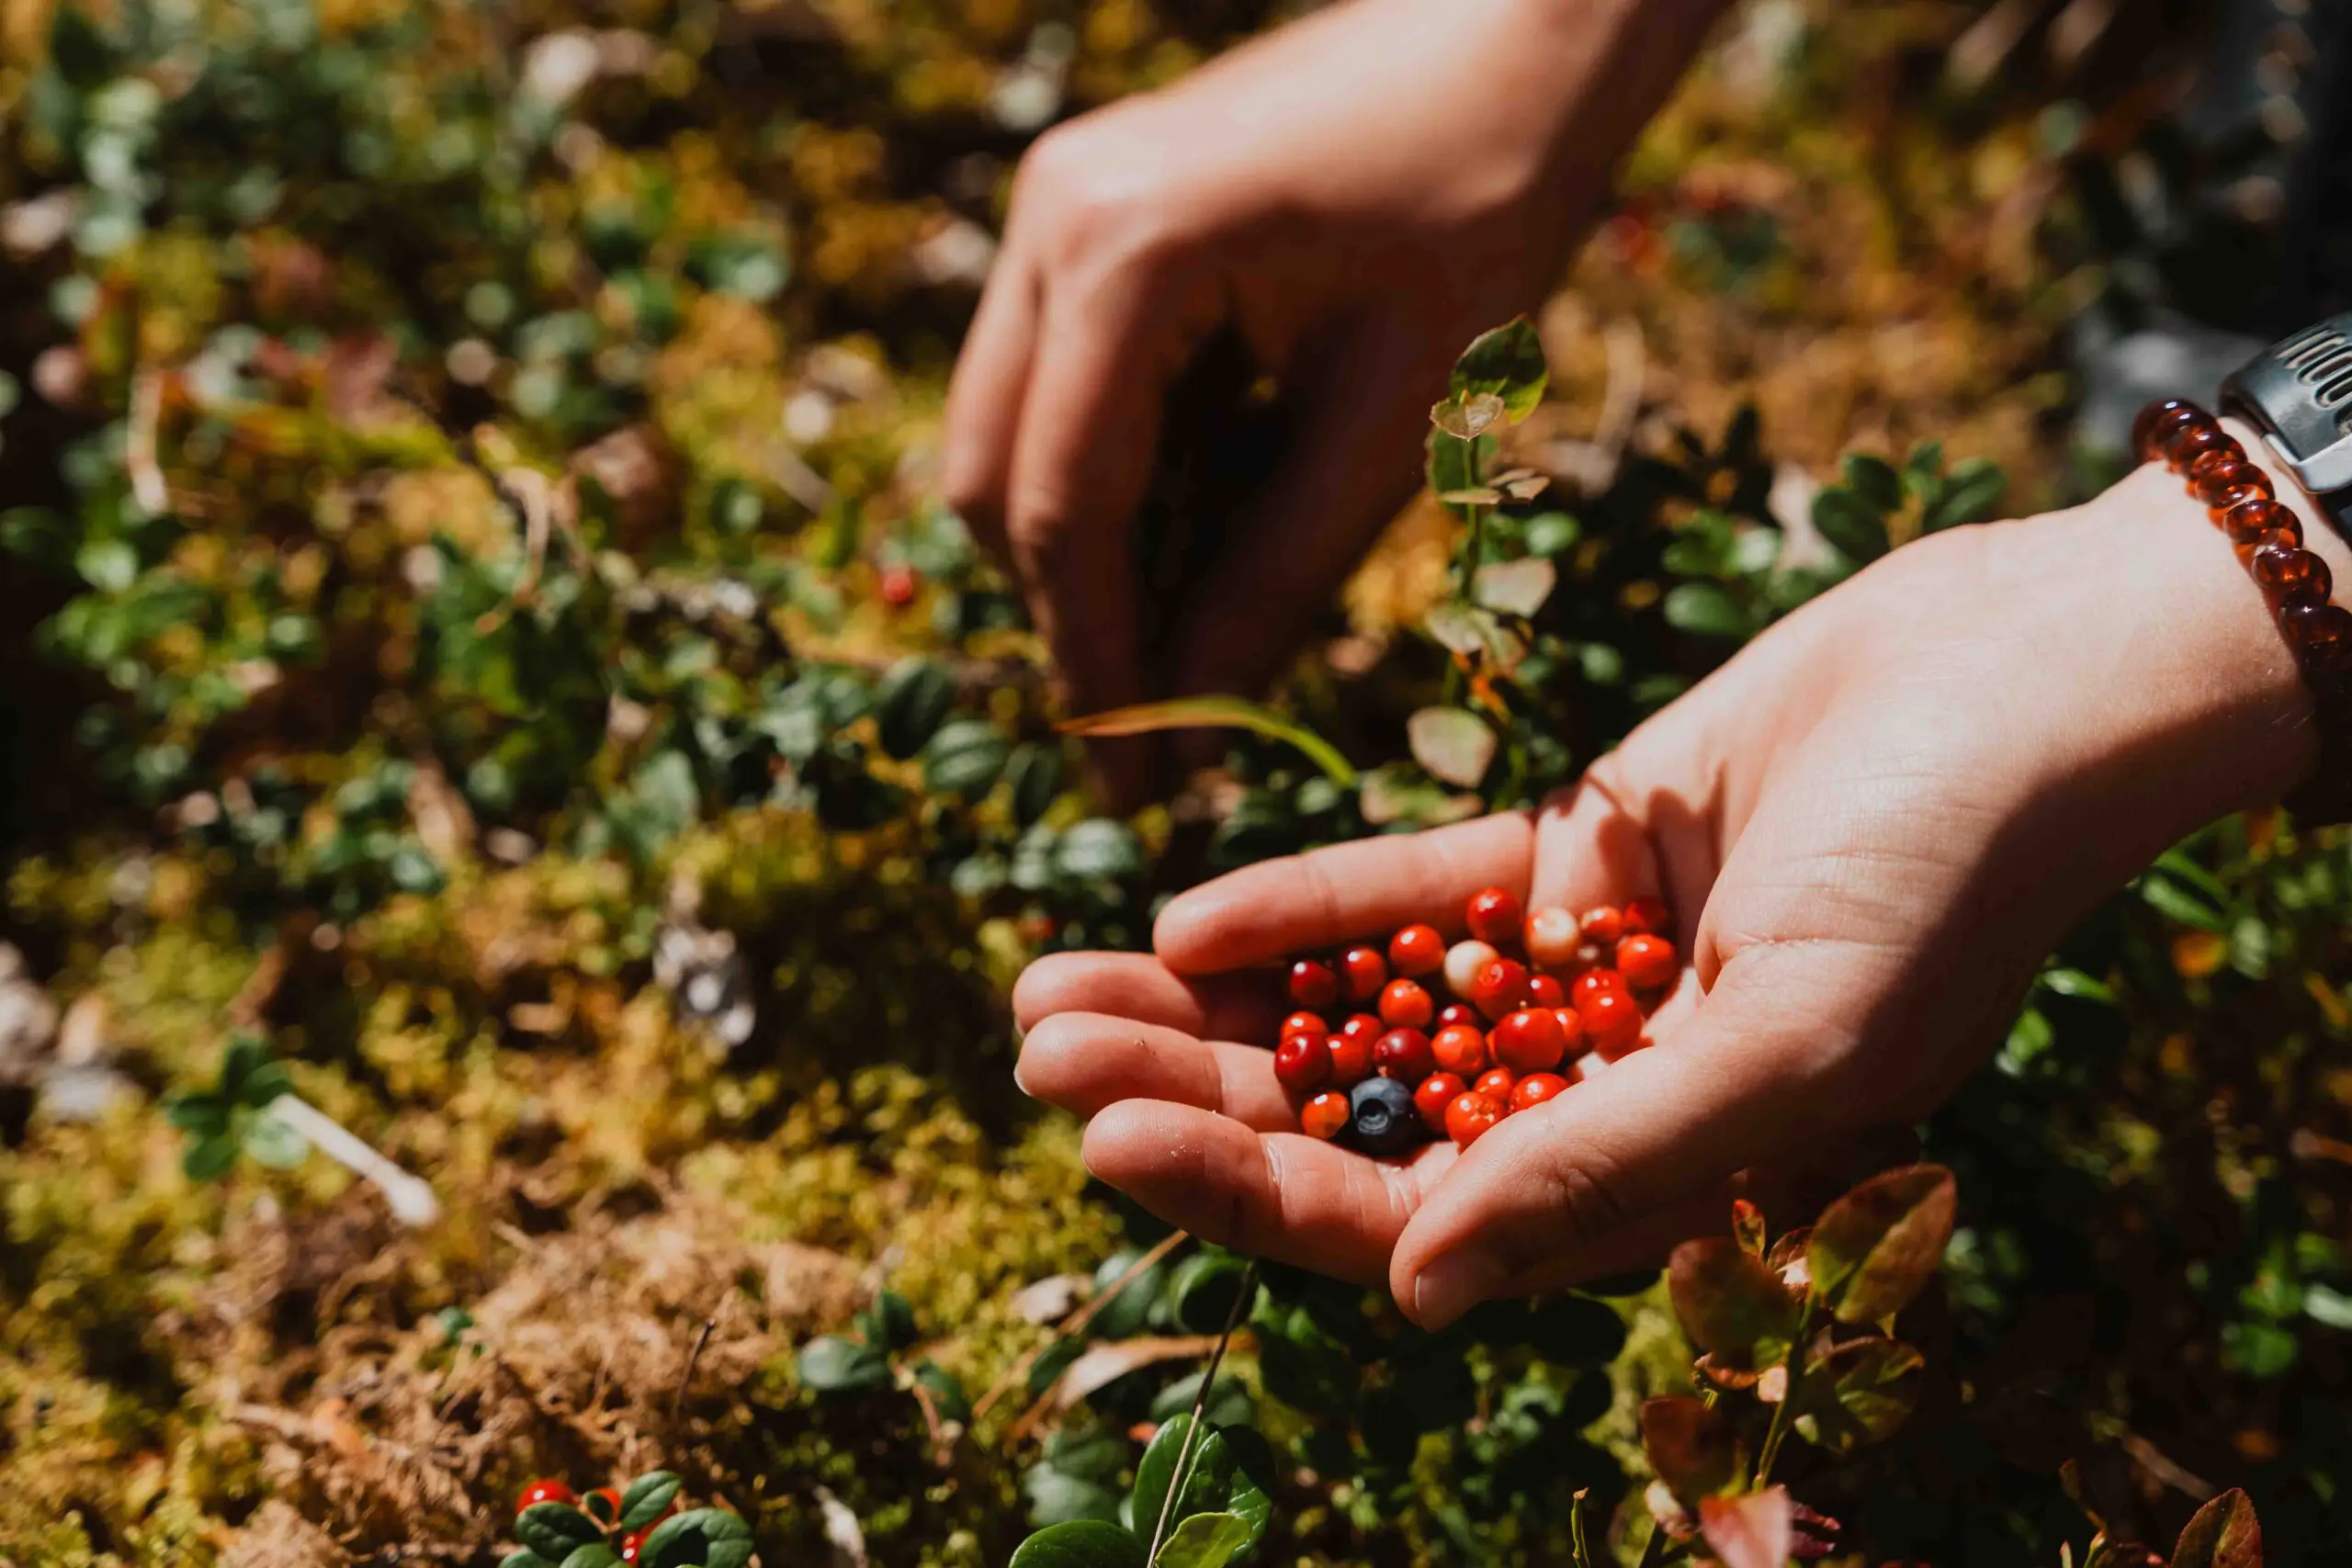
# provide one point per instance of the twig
(1200, 1401)
(1077, 1322)
(1778, 1430)
(693, 1356)
(1655, 1553)
(411, 1200)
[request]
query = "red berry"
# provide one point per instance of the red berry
(611, 1512)
(1437, 1091)
(1469, 1116)
(1500, 986)
(1496, 915)
(1603, 925)
(1325, 1116)
(1535, 1088)
(545, 1490)
(1649, 963)
(1302, 1064)
(1571, 1031)
(1304, 1023)
(1365, 1027)
(1362, 973)
(1403, 1054)
(1545, 991)
(1495, 1084)
(1459, 1012)
(1461, 1049)
(1463, 962)
(1417, 950)
(1403, 1005)
(1552, 938)
(632, 1544)
(1528, 1041)
(1351, 1059)
(1313, 986)
(1647, 916)
(1613, 1021)
(898, 585)
(1591, 983)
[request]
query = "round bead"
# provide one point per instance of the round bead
(2294, 577)
(1467, 1119)
(2249, 519)
(2157, 419)
(1437, 1091)
(2192, 441)
(1463, 962)
(2202, 471)
(2320, 631)
(1417, 950)
(1552, 938)
(1461, 1049)
(2222, 501)
(1495, 915)
(2235, 483)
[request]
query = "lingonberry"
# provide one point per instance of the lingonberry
(1403, 1054)
(1545, 991)
(1363, 1026)
(1552, 938)
(898, 584)
(1528, 1041)
(1535, 1088)
(1302, 1064)
(1572, 1040)
(1603, 925)
(1436, 1092)
(1403, 1005)
(1495, 1084)
(1613, 1021)
(632, 1546)
(1591, 983)
(1304, 1023)
(545, 1490)
(604, 1505)
(1649, 916)
(1461, 1049)
(1386, 1122)
(1326, 1115)
(1649, 963)
(1417, 950)
(1362, 973)
(1463, 962)
(1496, 915)
(1458, 1012)
(1351, 1058)
(1469, 1116)
(1499, 987)
(1313, 986)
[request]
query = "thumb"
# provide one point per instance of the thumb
(1607, 1174)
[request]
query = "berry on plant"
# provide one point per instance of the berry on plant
(1649, 916)
(1469, 1116)
(1313, 986)
(1436, 1092)
(632, 1546)
(1535, 1088)
(1302, 1064)
(1384, 1116)
(1461, 1049)
(1326, 1115)
(1495, 1084)
(545, 1490)
(898, 585)
(1500, 986)
(1603, 925)
(1417, 950)
(1545, 991)
(1649, 963)
(1528, 1041)
(1613, 1021)
(610, 1499)
(1403, 1005)
(1463, 962)
(1351, 1058)
(1496, 915)
(1362, 973)
(1404, 1054)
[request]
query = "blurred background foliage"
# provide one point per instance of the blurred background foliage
(475, 612)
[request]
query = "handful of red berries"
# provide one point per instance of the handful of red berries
(1446, 1040)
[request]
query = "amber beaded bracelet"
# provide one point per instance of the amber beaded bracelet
(2269, 538)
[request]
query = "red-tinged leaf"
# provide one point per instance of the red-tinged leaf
(1515, 587)
(1872, 1250)
(1753, 1531)
(1786, 1259)
(1217, 712)
(1812, 1534)
(1733, 1307)
(1454, 744)
(1691, 1447)
(1748, 1226)
(1106, 1363)
(2224, 1534)
(1857, 1393)
(1468, 417)
(1506, 365)
(1733, 1378)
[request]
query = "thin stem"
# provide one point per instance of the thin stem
(1655, 1553)
(1200, 1401)
(1779, 1427)
(1577, 1542)
(411, 1200)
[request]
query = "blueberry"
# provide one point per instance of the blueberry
(1384, 1122)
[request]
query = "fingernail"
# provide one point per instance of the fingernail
(1452, 1285)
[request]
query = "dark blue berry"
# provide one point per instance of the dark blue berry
(1383, 1120)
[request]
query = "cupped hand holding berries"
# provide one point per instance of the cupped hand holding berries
(1872, 824)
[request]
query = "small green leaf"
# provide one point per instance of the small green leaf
(1082, 1543)
(890, 1325)
(1201, 1294)
(1850, 524)
(700, 1537)
(1705, 609)
(946, 1391)
(1057, 1497)
(1217, 712)
(831, 1364)
(524, 1558)
(107, 565)
(1971, 493)
(1875, 479)
(1208, 1470)
(555, 1530)
(206, 1115)
(210, 1159)
(1733, 1307)
(964, 759)
(1516, 586)
(1204, 1541)
(2223, 1534)
(1872, 1250)
(1468, 418)
(2069, 982)
(275, 1142)
(1506, 363)
(1034, 774)
(1857, 1393)
(1923, 470)
(647, 1498)
(1454, 744)
(910, 704)
(1098, 849)
(1691, 1447)
(595, 1554)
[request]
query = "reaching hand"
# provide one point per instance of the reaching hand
(1358, 196)
(1873, 823)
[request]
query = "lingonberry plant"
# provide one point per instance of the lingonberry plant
(642, 1525)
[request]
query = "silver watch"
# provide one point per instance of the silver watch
(2299, 393)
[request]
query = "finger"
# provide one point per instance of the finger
(1752, 1074)
(1085, 1062)
(1268, 911)
(1137, 986)
(1283, 1196)
(984, 398)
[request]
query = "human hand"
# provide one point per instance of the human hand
(1357, 195)
(1873, 823)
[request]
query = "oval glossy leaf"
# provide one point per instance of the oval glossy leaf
(647, 1498)
(1098, 849)
(1034, 774)
(595, 1554)
(1848, 522)
(1082, 1543)
(1732, 1307)
(2223, 1534)
(1515, 587)
(700, 1537)
(555, 1530)
(1507, 364)
(1750, 1533)
(525, 1557)
(1453, 744)
(1971, 493)
(1875, 479)
(1872, 1250)
(1748, 1226)
(1468, 418)
(946, 1391)
(831, 1364)
(1857, 1393)
(964, 759)
(1217, 713)
(1203, 1293)
(910, 705)
(1204, 1541)
(1208, 1473)
(1705, 609)
(1691, 1447)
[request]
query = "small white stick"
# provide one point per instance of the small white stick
(411, 1200)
